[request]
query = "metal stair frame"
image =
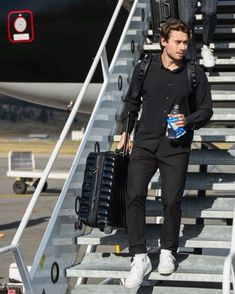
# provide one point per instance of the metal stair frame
(216, 135)
(44, 263)
(229, 265)
(44, 266)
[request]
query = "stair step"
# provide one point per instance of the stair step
(216, 45)
(214, 135)
(197, 268)
(192, 207)
(225, 3)
(220, 77)
(194, 181)
(223, 95)
(207, 135)
(223, 113)
(118, 289)
(205, 181)
(134, 31)
(100, 131)
(141, 5)
(197, 207)
(199, 157)
(223, 77)
(212, 157)
(220, 16)
(219, 30)
(199, 29)
(222, 61)
(194, 236)
(102, 116)
(219, 45)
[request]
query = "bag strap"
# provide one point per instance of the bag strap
(144, 66)
(191, 70)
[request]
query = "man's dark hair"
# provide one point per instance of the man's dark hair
(174, 25)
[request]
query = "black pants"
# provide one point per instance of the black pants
(142, 166)
(187, 11)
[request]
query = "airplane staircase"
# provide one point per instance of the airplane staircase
(59, 249)
(208, 203)
(75, 259)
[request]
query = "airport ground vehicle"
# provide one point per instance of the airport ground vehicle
(21, 166)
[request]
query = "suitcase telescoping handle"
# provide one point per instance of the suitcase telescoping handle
(97, 147)
(131, 116)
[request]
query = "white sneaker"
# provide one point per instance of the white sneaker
(166, 262)
(207, 55)
(140, 267)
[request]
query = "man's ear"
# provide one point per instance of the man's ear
(162, 41)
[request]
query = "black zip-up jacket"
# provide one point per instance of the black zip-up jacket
(161, 90)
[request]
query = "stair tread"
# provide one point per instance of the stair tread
(202, 181)
(218, 30)
(196, 236)
(226, 3)
(212, 156)
(197, 156)
(207, 135)
(222, 61)
(192, 207)
(195, 181)
(215, 45)
(221, 207)
(223, 114)
(222, 78)
(223, 95)
(191, 267)
(214, 135)
(118, 289)
(220, 16)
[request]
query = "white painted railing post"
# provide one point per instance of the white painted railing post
(229, 264)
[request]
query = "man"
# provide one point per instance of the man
(187, 10)
(166, 84)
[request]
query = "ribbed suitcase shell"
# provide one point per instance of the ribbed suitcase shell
(162, 11)
(102, 202)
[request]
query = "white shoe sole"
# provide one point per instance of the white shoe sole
(165, 271)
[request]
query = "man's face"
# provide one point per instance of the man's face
(176, 45)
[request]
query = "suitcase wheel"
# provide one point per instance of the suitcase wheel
(108, 230)
(78, 225)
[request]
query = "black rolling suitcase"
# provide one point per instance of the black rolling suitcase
(162, 11)
(102, 203)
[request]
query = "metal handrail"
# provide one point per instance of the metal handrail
(82, 144)
(101, 55)
(229, 264)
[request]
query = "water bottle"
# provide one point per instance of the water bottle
(173, 131)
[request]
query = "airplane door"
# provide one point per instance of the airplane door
(20, 26)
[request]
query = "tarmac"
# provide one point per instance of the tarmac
(12, 208)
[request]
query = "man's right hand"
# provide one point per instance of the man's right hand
(122, 141)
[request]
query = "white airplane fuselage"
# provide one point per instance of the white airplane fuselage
(47, 48)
